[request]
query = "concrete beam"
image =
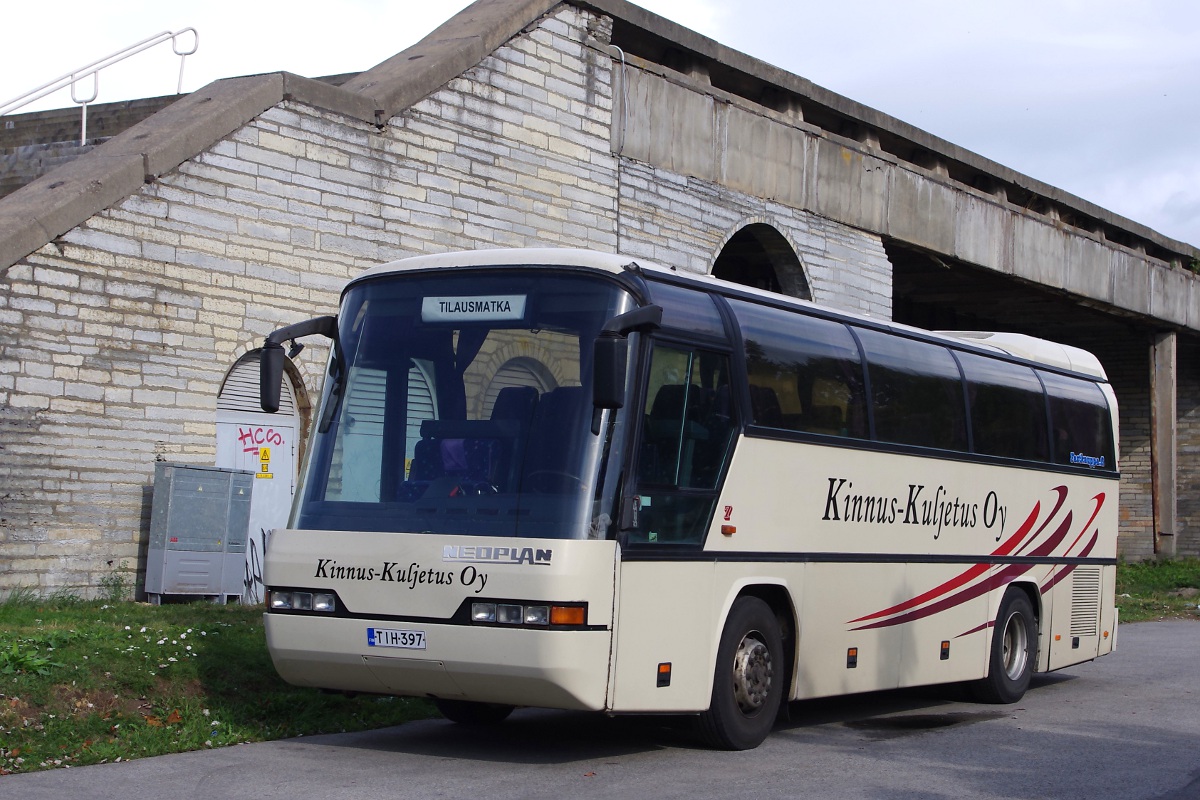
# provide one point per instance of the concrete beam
(1039, 251)
(817, 96)
(921, 211)
(692, 129)
(196, 122)
(763, 158)
(675, 126)
(1169, 293)
(982, 231)
(848, 185)
(1164, 383)
(1088, 270)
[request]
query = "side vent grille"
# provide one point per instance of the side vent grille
(1085, 601)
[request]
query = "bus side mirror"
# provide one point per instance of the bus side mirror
(610, 355)
(270, 362)
(270, 376)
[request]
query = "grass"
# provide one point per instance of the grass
(1157, 590)
(90, 682)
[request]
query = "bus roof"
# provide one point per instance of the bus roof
(1031, 348)
(1015, 345)
(509, 257)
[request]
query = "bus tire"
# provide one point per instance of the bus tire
(749, 680)
(1014, 651)
(466, 712)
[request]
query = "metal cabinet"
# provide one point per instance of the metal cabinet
(198, 525)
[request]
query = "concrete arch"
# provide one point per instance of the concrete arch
(304, 375)
(758, 254)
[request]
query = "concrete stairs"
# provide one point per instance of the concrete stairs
(33, 144)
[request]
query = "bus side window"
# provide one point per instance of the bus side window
(1080, 422)
(686, 433)
(916, 392)
(1008, 408)
(804, 372)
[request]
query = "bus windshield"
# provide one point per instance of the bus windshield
(461, 403)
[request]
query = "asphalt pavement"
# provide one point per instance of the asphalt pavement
(1126, 727)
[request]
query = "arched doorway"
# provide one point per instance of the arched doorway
(265, 444)
(521, 371)
(760, 256)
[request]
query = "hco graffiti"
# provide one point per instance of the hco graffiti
(254, 438)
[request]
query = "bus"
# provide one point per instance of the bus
(576, 480)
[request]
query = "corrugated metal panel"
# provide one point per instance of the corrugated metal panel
(1085, 601)
(240, 390)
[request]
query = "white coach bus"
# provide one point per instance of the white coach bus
(571, 480)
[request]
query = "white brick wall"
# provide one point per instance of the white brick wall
(115, 338)
(683, 222)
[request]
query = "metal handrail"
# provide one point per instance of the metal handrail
(93, 70)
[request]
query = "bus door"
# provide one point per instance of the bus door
(667, 604)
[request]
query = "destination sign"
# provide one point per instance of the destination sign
(489, 308)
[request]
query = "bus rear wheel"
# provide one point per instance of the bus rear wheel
(1014, 651)
(466, 712)
(749, 680)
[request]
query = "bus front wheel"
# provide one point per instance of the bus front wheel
(1014, 651)
(750, 678)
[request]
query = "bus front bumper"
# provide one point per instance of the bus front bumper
(514, 666)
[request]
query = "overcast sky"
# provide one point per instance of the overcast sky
(1100, 98)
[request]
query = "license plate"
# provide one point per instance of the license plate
(386, 637)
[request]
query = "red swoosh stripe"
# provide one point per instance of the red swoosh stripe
(1000, 578)
(964, 577)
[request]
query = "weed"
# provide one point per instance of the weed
(16, 659)
(115, 586)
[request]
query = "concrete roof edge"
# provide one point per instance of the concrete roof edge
(741, 62)
(337, 99)
(66, 197)
(450, 50)
(37, 213)
(197, 121)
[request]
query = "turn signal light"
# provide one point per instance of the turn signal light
(567, 615)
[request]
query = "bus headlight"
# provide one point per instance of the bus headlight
(529, 615)
(291, 600)
(537, 615)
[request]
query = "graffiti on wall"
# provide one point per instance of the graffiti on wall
(253, 437)
(253, 590)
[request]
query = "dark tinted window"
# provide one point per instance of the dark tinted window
(687, 310)
(916, 392)
(804, 372)
(1008, 408)
(687, 429)
(1080, 425)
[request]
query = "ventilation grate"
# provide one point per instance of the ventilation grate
(1085, 601)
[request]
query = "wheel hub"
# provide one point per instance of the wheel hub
(1015, 646)
(752, 673)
